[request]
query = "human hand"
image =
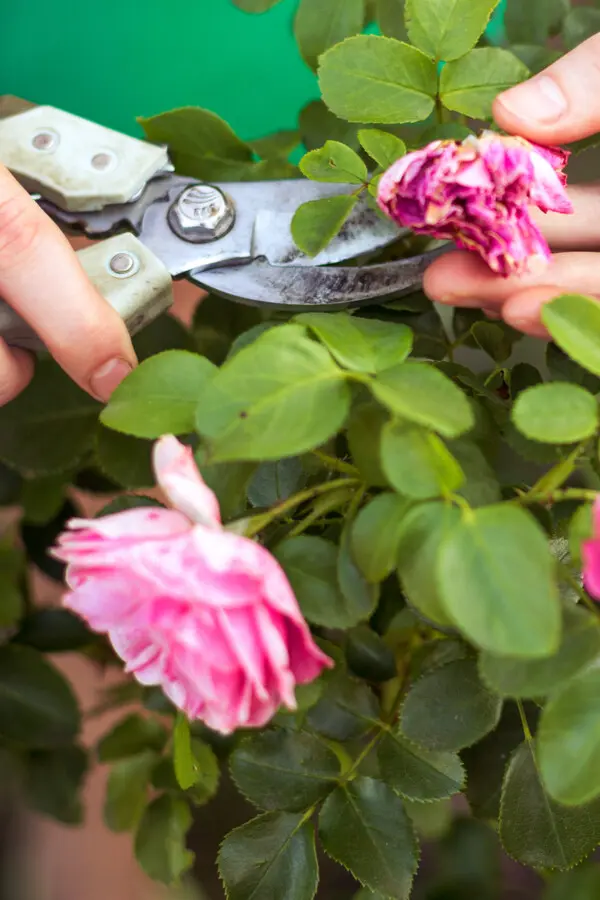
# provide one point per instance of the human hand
(557, 106)
(41, 278)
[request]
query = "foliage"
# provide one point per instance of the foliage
(429, 518)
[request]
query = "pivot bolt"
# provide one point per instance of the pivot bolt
(202, 213)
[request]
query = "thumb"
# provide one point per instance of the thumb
(559, 105)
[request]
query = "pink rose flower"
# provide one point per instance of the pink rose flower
(477, 193)
(204, 613)
(591, 556)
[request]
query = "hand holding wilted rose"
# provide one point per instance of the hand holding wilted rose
(558, 106)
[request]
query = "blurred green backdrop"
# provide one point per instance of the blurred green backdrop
(114, 60)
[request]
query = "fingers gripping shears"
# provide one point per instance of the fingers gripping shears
(153, 225)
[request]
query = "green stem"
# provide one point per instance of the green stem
(524, 722)
(558, 496)
(335, 464)
(439, 110)
(568, 576)
(260, 522)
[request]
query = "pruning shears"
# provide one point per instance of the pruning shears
(232, 239)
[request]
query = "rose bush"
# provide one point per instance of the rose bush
(427, 497)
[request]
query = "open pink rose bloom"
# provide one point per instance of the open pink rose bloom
(204, 613)
(478, 193)
(591, 556)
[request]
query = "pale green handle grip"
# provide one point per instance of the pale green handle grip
(76, 164)
(126, 273)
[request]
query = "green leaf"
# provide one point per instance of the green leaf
(361, 345)
(42, 498)
(417, 463)
(230, 482)
(160, 839)
(581, 528)
(38, 539)
(346, 710)
(12, 602)
(335, 162)
(390, 15)
(450, 708)
(273, 482)
(364, 827)
(311, 564)
(573, 320)
(535, 21)
(271, 856)
(481, 486)
(54, 407)
(487, 760)
(200, 143)
(37, 705)
(317, 222)
(471, 84)
(54, 782)
(319, 24)
(507, 615)
(569, 739)
(582, 883)
(535, 58)
(54, 631)
(281, 396)
(416, 773)
(207, 772)
(447, 29)
(383, 147)
(495, 339)
(579, 25)
(523, 376)
(365, 427)
(284, 770)
(537, 831)
(164, 333)
(378, 79)
(360, 595)
(318, 124)
(368, 656)
(127, 791)
(276, 146)
(131, 736)
(537, 678)
(376, 534)
(556, 413)
(10, 486)
(423, 531)
(255, 6)
(183, 758)
(563, 368)
(160, 396)
(125, 459)
(418, 392)
(218, 322)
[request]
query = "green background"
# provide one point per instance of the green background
(113, 60)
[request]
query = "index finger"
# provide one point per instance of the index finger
(42, 279)
(559, 105)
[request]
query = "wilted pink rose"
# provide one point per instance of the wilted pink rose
(478, 193)
(591, 556)
(204, 613)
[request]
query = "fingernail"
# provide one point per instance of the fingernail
(540, 99)
(108, 377)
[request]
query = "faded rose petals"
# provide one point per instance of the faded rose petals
(477, 193)
(204, 613)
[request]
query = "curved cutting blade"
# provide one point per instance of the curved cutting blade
(259, 283)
